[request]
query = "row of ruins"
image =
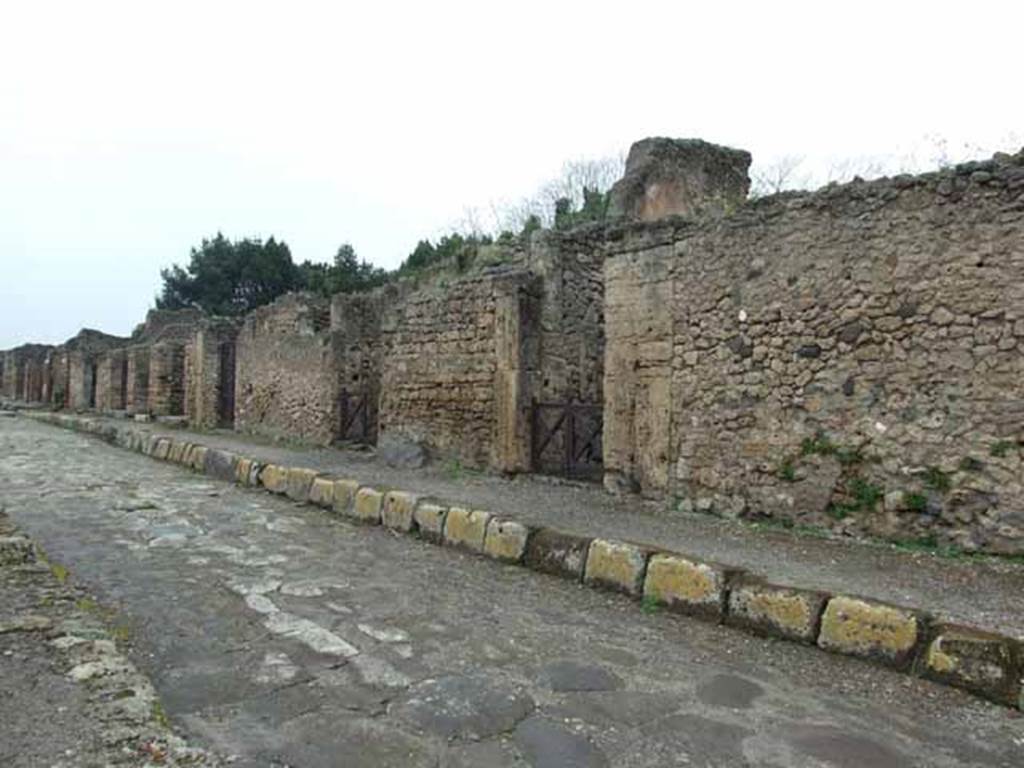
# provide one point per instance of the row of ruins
(851, 357)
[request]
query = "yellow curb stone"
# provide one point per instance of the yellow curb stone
(367, 505)
(616, 565)
(198, 457)
(398, 510)
(299, 481)
(983, 662)
(345, 496)
(870, 630)
(321, 492)
(174, 454)
(242, 469)
(685, 585)
(163, 447)
(506, 540)
(466, 528)
(776, 610)
(274, 478)
(429, 519)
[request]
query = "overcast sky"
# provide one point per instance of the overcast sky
(131, 130)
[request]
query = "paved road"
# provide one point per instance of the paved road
(287, 637)
(988, 593)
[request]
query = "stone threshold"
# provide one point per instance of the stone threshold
(912, 640)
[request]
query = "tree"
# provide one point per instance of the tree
(346, 275)
(230, 278)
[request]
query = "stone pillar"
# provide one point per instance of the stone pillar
(137, 390)
(516, 350)
(637, 370)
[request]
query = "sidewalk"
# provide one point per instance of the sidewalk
(983, 592)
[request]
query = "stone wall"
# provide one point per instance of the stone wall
(851, 357)
(137, 391)
(362, 328)
(82, 354)
(454, 376)
(23, 372)
(210, 374)
(285, 380)
(111, 377)
(166, 396)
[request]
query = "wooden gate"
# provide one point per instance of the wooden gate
(566, 439)
(355, 417)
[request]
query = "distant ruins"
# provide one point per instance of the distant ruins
(851, 357)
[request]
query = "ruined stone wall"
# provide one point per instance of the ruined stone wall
(166, 395)
(571, 328)
(362, 328)
(137, 390)
(168, 325)
(210, 375)
(852, 357)
(23, 372)
(60, 378)
(285, 380)
(454, 377)
(81, 380)
(110, 380)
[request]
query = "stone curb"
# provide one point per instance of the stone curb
(909, 640)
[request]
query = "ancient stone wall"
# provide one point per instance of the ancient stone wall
(454, 376)
(851, 357)
(137, 390)
(23, 372)
(362, 327)
(168, 325)
(111, 378)
(285, 380)
(210, 374)
(166, 379)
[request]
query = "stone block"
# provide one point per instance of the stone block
(274, 478)
(429, 519)
(244, 471)
(616, 565)
(777, 611)
(367, 505)
(176, 451)
(198, 458)
(557, 553)
(161, 449)
(345, 496)
(985, 663)
(299, 481)
(687, 586)
(870, 630)
(220, 465)
(506, 540)
(321, 492)
(466, 528)
(398, 509)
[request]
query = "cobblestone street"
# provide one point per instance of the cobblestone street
(279, 635)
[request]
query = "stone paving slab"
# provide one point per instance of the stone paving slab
(449, 645)
(69, 696)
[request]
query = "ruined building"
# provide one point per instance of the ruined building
(850, 357)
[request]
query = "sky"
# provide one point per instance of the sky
(129, 131)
